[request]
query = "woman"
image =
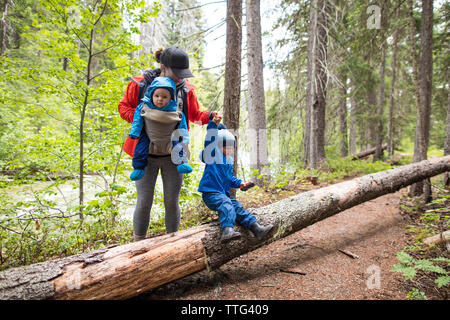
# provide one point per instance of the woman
(174, 63)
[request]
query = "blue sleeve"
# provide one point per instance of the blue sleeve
(235, 182)
(138, 122)
(211, 133)
(227, 173)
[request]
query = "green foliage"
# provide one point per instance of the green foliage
(409, 267)
(417, 260)
(416, 294)
(39, 229)
(63, 83)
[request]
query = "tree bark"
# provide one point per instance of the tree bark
(438, 238)
(309, 83)
(317, 59)
(371, 125)
(256, 103)
(232, 90)
(425, 87)
(380, 108)
(446, 177)
(352, 122)
(5, 12)
(367, 152)
(125, 271)
(392, 92)
(343, 118)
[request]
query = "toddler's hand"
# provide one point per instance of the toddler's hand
(246, 186)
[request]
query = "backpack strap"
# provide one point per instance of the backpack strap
(182, 104)
(149, 76)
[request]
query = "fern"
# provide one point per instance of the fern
(408, 267)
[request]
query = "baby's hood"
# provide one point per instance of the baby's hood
(163, 82)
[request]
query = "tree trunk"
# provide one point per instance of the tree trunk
(317, 59)
(232, 90)
(343, 118)
(446, 178)
(256, 105)
(309, 84)
(372, 125)
(380, 108)
(125, 271)
(392, 92)
(425, 86)
(5, 12)
(352, 123)
(414, 58)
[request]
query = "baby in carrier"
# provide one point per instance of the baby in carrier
(165, 128)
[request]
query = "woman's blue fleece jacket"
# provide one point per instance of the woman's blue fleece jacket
(218, 173)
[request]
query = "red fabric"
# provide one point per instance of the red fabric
(129, 101)
(128, 105)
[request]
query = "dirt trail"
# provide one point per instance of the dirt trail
(373, 231)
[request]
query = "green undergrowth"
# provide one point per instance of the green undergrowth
(426, 268)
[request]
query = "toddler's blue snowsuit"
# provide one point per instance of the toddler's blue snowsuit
(216, 181)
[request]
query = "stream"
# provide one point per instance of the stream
(66, 194)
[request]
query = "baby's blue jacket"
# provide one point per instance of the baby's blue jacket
(137, 126)
(138, 121)
(218, 175)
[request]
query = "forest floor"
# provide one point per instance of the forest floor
(347, 256)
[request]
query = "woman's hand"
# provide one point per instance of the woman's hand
(216, 117)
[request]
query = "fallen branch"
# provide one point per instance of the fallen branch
(366, 153)
(125, 271)
(294, 271)
(438, 238)
(348, 253)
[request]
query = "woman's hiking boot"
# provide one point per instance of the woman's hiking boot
(229, 234)
(259, 231)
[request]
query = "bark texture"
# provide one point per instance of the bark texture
(256, 102)
(317, 83)
(425, 88)
(124, 271)
(232, 90)
(367, 152)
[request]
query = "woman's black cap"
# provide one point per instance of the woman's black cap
(177, 60)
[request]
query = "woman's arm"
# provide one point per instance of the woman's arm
(195, 114)
(129, 102)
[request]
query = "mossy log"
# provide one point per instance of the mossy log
(121, 272)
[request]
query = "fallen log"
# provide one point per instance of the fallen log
(124, 271)
(438, 238)
(366, 153)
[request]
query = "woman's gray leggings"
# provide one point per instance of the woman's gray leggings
(145, 187)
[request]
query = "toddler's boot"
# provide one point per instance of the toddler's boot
(259, 231)
(229, 234)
